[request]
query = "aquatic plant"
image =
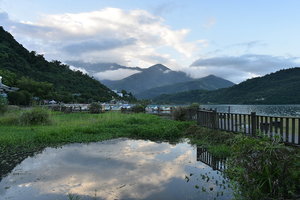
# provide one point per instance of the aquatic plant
(73, 197)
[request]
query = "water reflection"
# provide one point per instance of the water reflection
(214, 162)
(115, 169)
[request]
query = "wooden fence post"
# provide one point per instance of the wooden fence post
(253, 124)
(214, 119)
(198, 117)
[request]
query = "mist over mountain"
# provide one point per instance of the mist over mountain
(210, 82)
(99, 67)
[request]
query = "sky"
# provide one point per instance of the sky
(233, 39)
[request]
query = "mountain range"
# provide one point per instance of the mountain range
(154, 76)
(281, 87)
(210, 82)
(159, 79)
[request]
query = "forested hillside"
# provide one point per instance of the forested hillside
(50, 80)
(281, 87)
(210, 82)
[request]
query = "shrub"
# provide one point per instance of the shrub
(186, 113)
(138, 108)
(180, 113)
(35, 116)
(194, 106)
(95, 108)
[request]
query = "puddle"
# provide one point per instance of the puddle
(118, 169)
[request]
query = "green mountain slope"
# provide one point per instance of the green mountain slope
(15, 58)
(282, 87)
(210, 82)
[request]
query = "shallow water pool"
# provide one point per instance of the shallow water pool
(116, 169)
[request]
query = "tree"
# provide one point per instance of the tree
(37, 89)
(9, 78)
(19, 98)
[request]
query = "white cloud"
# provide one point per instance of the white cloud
(239, 68)
(106, 35)
(115, 74)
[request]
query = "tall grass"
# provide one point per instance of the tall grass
(264, 169)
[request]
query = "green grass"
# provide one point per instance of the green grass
(84, 127)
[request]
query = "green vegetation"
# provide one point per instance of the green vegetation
(46, 80)
(95, 108)
(139, 108)
(281, 87)
(258, 167)
(36, 116)
(181, 113)
(264, 169)
(3, 105)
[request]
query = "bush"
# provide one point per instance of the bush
(180, 114)
(95, 108)
(35, 116)
(185, 113)
(138, 109)
(194, 106)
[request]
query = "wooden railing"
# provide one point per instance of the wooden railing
(287, 129)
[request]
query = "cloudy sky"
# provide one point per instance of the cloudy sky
(232, 39)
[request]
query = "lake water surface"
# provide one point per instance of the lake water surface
(269, 110)
(116, 169)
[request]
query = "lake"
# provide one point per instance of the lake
(270, 110)
(118, 169)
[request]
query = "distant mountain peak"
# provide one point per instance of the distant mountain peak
(211, 76)
(159, 67)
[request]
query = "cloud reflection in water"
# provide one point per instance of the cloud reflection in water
(114, 169)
